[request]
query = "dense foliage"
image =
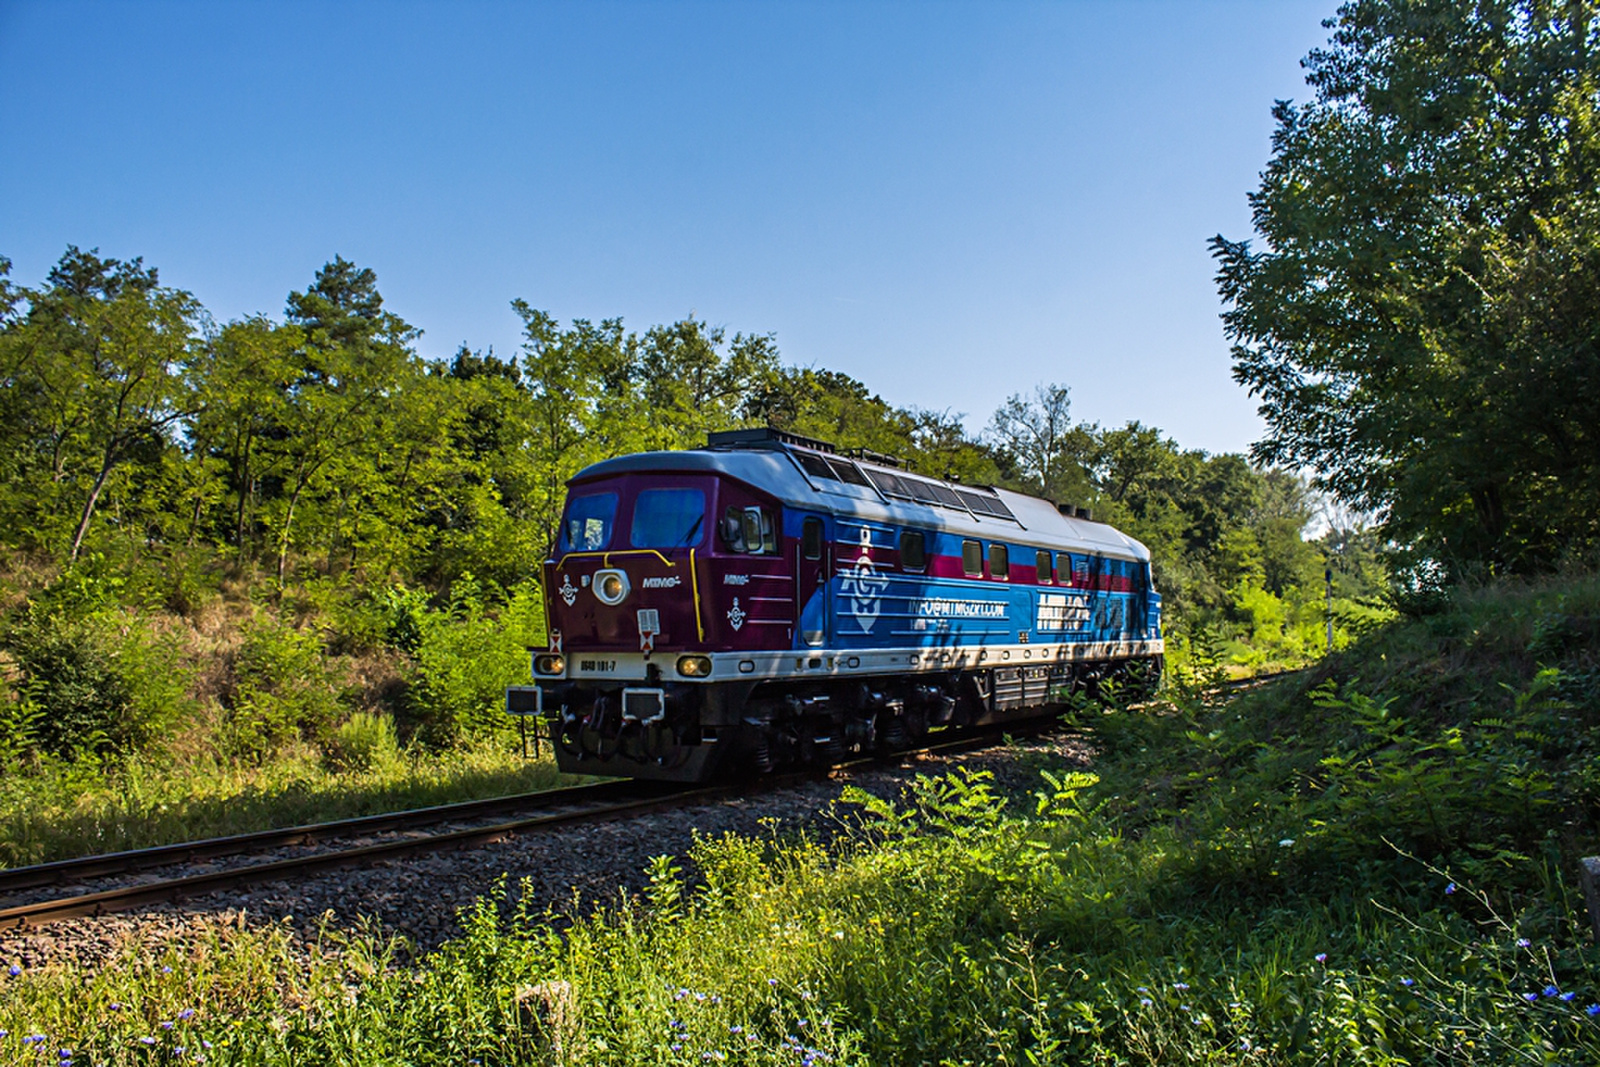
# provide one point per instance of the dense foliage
(1420, 324)
(226, 541)
(1369, 864)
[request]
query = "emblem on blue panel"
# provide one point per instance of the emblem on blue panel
(863, 587)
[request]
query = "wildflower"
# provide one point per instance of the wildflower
(1287, 842)
(1145, 1002)
(1593, 1009)
(1180, 985)
(114, 1006)
(166, 1025)
(186, 1013)
(1408, 981)
(1321, 957)
(735, 1028)
(1523, 942)
(1530, 997)
(1568, 996)
(1451, 888)
(675, 1047)
(14, 970)
(1244, 1044)
(5, 1033)
(64, 1053)
(33, 1039)
(166, 970)
(1551, 991)
(772, 981)
(1142, 989)
(1184, 1007)
(147, 1041)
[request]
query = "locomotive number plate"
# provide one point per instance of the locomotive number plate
(597, 666)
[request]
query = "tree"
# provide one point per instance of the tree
(1420, 326)
(1049, 452)
(94, 374)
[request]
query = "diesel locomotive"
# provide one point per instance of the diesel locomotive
(769, 601)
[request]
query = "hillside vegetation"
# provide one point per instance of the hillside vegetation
(1369, 862)
(262, 572)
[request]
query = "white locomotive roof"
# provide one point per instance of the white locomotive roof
(778, 472)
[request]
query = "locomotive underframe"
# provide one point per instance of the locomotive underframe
(692, 732)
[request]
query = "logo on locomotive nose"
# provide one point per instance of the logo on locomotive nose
(568, 593)
(662, 583)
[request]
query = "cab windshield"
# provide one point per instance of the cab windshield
(589, 522)
(668, 519)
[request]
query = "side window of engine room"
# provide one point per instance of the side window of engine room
(749, 530)
(972, 559)
(999, 561)
(913, 550)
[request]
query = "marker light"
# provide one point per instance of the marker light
(694, 666)
(611, 587)
(549, 664)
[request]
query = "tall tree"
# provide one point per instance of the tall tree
(1420, 324)
(98, 366)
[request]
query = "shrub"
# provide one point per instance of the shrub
(464, 660)
(363, 742)
(282, 690)
(103, 683)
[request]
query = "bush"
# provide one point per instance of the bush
(102, 683)
(363, 742)
(464, 659)
(282, 690)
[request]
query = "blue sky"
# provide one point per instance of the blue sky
(952, 202)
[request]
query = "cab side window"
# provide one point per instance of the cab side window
(999, 562)
(749, 530)
(811, 539)
(972, 559)
(1045, 567)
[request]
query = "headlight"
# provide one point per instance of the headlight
(549, 664)
(694, 666)
(611, 587)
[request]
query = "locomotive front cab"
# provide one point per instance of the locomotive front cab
(655, 578)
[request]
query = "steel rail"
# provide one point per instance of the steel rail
(135, 860)
(173, 890)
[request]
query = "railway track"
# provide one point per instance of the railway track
(539, 812)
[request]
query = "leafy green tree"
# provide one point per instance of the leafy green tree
(1420, 325)
(95, 378)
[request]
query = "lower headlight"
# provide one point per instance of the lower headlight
(694, 666)
(549, 664)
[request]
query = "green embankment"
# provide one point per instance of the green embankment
(1369, 862)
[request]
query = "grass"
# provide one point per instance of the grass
(1371, 864)
(70, 809)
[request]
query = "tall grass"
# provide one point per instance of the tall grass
(82, 807)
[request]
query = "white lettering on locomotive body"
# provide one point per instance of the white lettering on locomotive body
(940, 608)
(735, 579)
(670, 582)
(597, 666)
(1060, 612)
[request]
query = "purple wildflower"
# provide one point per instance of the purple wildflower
(1451, 888)
(1408, 981)
(1530, 997)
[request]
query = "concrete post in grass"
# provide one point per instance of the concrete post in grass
(1589, 878)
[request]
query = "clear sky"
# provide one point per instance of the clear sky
(952, 202)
